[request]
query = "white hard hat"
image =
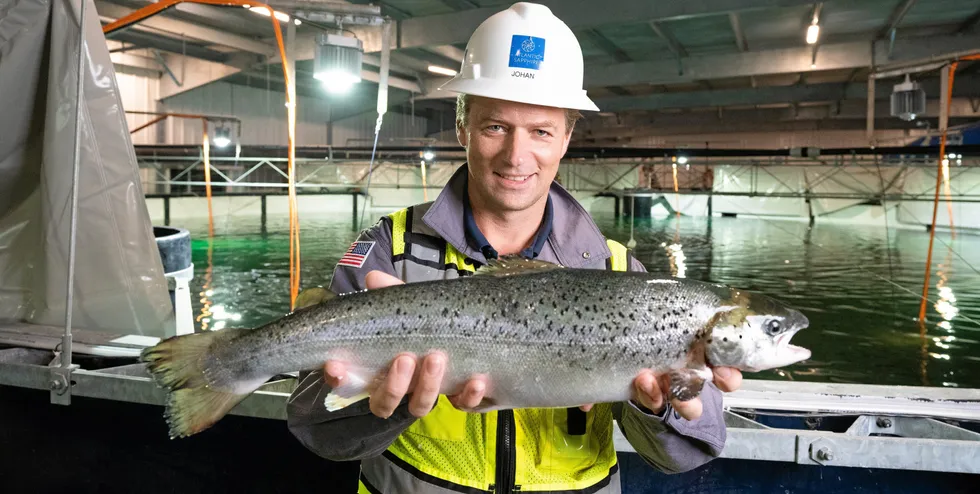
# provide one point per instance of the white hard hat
(524, 54)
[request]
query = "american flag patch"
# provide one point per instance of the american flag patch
(356, 254)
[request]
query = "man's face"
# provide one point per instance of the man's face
(513, 151)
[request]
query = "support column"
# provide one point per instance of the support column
(871, 111)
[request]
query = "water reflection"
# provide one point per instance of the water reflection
(206, 292)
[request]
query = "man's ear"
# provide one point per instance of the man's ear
(461, 135)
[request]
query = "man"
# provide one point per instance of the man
(520, 92)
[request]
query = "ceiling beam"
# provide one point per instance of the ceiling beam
(606, 45)
(457, 27)
(780, 61)
(849, 116)
(190, 30)
(147, 40)
(970, 23)
(772, 94)
(736, 23)
(895, 18)
(837, 56)
(129, 63)
(226, 18)
(395, 82)
(675, 46)
(460, 4)
(450, 52)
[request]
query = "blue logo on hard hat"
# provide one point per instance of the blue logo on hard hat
(526, 52)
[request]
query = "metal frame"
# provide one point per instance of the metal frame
(895, 427)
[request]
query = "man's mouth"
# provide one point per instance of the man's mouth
(517, 179)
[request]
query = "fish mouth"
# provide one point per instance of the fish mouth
(788, 351)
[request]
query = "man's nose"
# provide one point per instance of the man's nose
(518, 147)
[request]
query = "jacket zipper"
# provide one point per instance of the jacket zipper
(506, 454)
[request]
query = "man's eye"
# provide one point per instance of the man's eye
(495, 128)
(543, 133)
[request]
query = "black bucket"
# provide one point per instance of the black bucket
(174, 245)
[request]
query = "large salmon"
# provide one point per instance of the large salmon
(544, 335)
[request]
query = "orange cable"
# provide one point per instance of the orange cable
(935, 204)
(156, 8)
(207, 177)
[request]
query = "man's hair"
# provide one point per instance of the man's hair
(463, 108)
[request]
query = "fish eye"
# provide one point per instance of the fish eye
(773, 327)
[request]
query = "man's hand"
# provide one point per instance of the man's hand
(407, 375)
(648, 391)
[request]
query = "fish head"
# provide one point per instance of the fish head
(751, 332)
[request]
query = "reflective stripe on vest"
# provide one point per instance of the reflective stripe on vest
(557, 450)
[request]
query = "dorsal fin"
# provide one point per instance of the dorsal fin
(514, 265)
(313, 296)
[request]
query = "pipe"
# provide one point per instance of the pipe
(75, 166)
(935, 202)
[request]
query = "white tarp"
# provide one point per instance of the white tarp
(119, 281)
(922, 181)
(763, 181)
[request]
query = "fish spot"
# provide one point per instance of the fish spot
(724, 339)
(445, 312)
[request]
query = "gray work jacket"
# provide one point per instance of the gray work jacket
(668, 442)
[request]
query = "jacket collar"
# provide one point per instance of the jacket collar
(574, 237)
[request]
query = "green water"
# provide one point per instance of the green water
(863, 328)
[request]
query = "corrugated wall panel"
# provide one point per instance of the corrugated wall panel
(263, 116)
(140, 94)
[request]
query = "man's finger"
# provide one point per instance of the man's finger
(647, 391)
(379, 279)
(471, 395)
(727, 379)
(586, 408)
(386, 397)
(690, 409)
(334, 373)
(429, 382)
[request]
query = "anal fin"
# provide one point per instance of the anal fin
(334, 402)
(687, 383)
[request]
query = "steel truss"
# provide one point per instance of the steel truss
(174, 175)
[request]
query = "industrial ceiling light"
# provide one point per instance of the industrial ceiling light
(428, 155)
(435, 69)
(221, 133)
(908, 100)
(813, 31)
(337, 62)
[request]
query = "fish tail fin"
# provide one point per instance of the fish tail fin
(192, 410)
(177, 365)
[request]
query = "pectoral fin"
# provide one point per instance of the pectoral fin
(686, 384)
(352, 390)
